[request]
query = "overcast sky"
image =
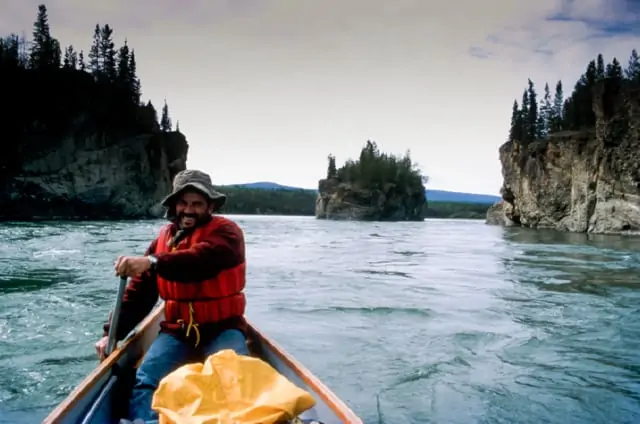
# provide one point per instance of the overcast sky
(264, 90)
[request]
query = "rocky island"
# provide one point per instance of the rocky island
(376, 187)
(574, 164)
(78, 142)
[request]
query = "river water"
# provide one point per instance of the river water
(444, 321)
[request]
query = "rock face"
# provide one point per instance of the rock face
(578, 181)
(496, 215)
(94, 176)
(344, 201)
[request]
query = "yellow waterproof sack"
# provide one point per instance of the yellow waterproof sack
(228, 389)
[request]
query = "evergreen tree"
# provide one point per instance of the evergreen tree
(633, 68)
(165, 121)
(135, 82)
(123, 77)
(10, 53)
(177, 126)
(45, 50)
(555, 124)
(56, 54)
(591, 74)
(70, 58)
(524, 116)
(515, 132)
(600, 70)
(532, 115)
(614, 70)
(332, 171)
(108, 53)
(81, 65)
(568, 114)
(95, 63)
(545, 115)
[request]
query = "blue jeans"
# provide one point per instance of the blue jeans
(166, 354)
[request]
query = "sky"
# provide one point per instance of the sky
(264, 90)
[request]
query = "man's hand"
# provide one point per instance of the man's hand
(131, 266)
(101, 346)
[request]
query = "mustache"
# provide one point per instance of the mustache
(187, 215)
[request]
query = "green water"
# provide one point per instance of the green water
(450, 321)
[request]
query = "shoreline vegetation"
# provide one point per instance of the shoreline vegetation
(301, 202)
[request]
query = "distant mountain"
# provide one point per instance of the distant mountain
(265, 185)
(432, 195)
(456, 197)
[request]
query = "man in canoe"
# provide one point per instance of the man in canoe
(197, 266)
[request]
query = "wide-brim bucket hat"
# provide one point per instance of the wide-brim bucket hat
(198, 180)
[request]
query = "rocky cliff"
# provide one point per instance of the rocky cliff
(347, 201)
(94, 176)
(587, 181)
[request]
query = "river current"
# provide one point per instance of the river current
(446, 321)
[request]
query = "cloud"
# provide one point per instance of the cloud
(556, 39)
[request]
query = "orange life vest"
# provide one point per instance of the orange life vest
(201, 302)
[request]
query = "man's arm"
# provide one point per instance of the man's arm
(140, 296)
(221, 249)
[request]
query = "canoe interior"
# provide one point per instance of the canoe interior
(102, 398)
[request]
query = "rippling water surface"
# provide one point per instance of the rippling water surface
(443, 321)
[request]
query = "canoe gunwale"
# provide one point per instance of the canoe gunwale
(107, 366)
(328, 397)
(107, 371)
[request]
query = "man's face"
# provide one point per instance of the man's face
(191, 208)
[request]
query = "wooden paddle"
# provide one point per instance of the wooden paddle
(115, 316)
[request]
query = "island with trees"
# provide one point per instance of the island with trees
(375, 187)
(79, 140)
(573, 164)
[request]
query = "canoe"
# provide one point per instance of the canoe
(102, 397)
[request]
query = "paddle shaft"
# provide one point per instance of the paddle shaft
(115, 317)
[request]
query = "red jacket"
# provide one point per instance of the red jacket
(217, 251)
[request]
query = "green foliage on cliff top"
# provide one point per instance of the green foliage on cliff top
(374, 169)
(532, 119)
(49, 94)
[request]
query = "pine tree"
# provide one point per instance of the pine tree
(95, 63)
(600, 70)
(532, 116)
(108, 53)
(614, 70)
(177, 126)
(524, 116)
(70, 58)
(556, 114)
(56, 54)
(514, 131)
(545, 115)
(135, 81)
(81, 65)
(332, 172)
(568, 115)
(45, 50)
(123, 76)
(633, 68)
(165, 121)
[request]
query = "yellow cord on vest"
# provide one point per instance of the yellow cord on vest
(192, 322)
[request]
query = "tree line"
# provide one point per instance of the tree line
(532, 119)
(112, 69)
(374, 169)
(255, 201)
